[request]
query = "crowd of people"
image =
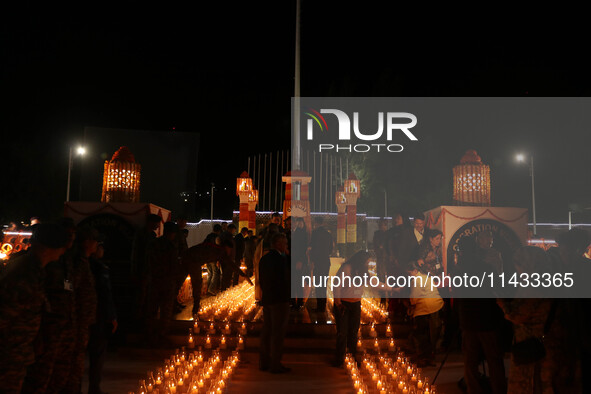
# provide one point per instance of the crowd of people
(55, 304)
(267, 257)
(492, 324)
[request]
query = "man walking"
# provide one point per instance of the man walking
(274, 277)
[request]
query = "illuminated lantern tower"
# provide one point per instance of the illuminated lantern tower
(297, 196)
(472, 181)
(243, 191)
(253, 200)
(352, 193)
(121, 178)
(341, 202)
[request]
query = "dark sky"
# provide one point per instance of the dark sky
(226, 71)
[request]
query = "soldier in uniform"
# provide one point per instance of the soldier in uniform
(87, 240)
(57, 322)
(22, 301)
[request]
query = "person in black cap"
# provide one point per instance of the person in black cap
(22, 300)
(53, 359)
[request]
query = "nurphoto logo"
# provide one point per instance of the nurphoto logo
(392, 128)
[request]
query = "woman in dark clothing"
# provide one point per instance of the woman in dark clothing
(429, 258)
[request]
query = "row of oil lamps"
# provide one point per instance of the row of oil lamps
(372, 311)
(384, 374)
(234, 304)
(191, 373)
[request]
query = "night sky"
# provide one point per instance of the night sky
(226, 71)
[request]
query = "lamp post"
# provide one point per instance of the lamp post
(80, 151)
(211, 207)
(521, 158)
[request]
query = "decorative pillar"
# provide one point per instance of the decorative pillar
(121, 178)
(243, 190)
(352, 193)
(471, 181)
(253, 200)
(341, 202)
(297, 200)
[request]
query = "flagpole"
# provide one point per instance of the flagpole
(296, 112)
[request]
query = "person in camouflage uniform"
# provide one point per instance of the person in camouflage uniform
(84, 304)
(164, 268)
(56, 323)
(22, 301)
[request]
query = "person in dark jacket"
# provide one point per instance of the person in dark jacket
(299, 246)
(140, 270)
(410, 240)
(321, 244)
(380, 247)
(87, 239)
(481, 321)
(429, 253)
(249, 248)
(164, 267)
(213, 268)
(106, 320)
(395, 235)
(57, 323)
(275, 282)
(204, 253)
(215, 234)
(227, 266)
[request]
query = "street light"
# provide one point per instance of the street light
(211, 207)
(522, 158)
(80, 151)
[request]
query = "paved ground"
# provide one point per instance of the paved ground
(310, 373)
(308, 353)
